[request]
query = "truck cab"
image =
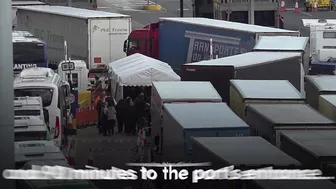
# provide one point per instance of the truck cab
(144, 41)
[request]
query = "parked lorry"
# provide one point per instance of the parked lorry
(323, 4)
(247, 66)
(91, 36)
(314, 149)
(243, 153)
(265, 11)
(16, 4)
(318, 85)
(283, 44)
(182, 121)
(183, 40)
(177, 92)
(327, 106)
(267, 120)
(322, 45)
(262, 92)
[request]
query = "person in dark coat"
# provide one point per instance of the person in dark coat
(140, 104)
(99, 107)
(104, 118)
(121, 111)
(130, 120)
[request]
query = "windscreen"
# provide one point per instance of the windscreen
(30, 136)
(45, 93)
(28, 54)
(27, 113)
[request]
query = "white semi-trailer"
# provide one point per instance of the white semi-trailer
(95, 37)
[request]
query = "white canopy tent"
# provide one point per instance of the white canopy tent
(138, 70)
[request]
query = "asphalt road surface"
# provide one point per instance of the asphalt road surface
(106, 152)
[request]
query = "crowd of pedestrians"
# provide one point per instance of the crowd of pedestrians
(128, 115)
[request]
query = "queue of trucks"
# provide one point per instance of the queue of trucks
(241, 108)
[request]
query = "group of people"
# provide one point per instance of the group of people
(107, 115)
(130, 114)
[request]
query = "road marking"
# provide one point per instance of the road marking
(183, 9)
(305, 13)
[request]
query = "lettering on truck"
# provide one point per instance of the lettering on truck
(23, 66)
(223, 46)
(111, 31)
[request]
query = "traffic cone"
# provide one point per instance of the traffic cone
(90, 158)
(296, 9)
(282, 6)
(70, 158)
(314, 7)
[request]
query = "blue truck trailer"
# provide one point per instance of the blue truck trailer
(184, 40)
(181, 121)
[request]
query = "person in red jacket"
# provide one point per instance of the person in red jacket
(281, 22)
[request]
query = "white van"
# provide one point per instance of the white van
(52, 184)
(30, 106)
(36, 150)
(79, 75)
(30, 128)
(53, 90)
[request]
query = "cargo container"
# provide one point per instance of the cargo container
(242, 152)
(283, 44)
(267, 120)
(247, 66)
(327, 106)
(177, 92)
(291, 184)
(16, 4)
(91, 36)
(319, 85)
(315, 149)
(243, 92)
(182, 121)
(183, 40)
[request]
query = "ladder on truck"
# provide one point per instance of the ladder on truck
(313, 41)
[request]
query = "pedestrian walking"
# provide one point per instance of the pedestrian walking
(104, 119)
(121, 111)
(130, 120)
(140, 104)
(111, 117)
(99, 107)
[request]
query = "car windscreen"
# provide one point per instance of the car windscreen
(45, 93)
(27, 112)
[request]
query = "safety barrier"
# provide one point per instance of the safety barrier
(86, 117)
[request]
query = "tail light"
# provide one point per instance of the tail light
(57, 127)
(97, 60)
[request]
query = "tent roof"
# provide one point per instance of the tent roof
(140, 70)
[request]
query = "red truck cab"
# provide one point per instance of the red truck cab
(144, 41)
